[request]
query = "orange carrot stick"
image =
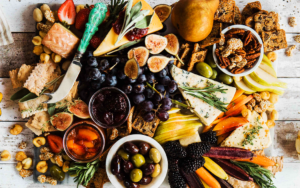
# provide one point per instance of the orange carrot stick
(238, 105)
(223, 131)
(237, 94)
(223, 137)
(230, 122)
(260, 160)
(208, 178)
(236, 101)
(237, 111)
(207, 128)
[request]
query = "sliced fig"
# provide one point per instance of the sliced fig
(163, 11)
(157, 63)
(173, 46)
(80, 109)
(140, 54)
(61, 121)
(155, 43)
(132, 69)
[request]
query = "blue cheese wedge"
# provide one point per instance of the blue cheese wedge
(259, 135)
(203, 110)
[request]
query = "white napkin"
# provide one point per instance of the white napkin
(5, 34)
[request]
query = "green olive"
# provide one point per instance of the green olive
(148, 160)
(124, 154)
(136, 175)
(66, 157)
(155, 155)
(226, 79)
(57, 173)
(204, 69)
(210, 61)
(138, 160)
(156, 171)
(214, 75)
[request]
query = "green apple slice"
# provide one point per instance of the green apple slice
(241, 85)
(269, 69)
(252, 84)
(263, 78)
(267, 60)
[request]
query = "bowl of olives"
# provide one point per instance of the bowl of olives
(136, 161)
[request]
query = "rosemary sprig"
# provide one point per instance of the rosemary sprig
(261, 176)
(207, 94)
(84, 172)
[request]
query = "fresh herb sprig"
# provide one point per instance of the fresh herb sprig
(84, 172)
(207, 95)
(134, 18)
(261, 176)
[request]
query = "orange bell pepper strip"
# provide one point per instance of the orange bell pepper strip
(260, 160)
(223, 137)
(237, 111)
(237, 94)
(230, 122)
(207, 178)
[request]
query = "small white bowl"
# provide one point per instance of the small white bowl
(257, 63)
(156, 182)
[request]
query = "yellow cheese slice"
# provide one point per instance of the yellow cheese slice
(108, 44)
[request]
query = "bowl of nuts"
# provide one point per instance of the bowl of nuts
(240, 52)
(136, 161)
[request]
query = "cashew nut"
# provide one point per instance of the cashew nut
(44, 7)
(27, 163)
(37, 40)
(42, 167)
(44, 57)
(38, 50)
(19, 166)
(5, 155)
(55, 57)
(37, 15)
(20, 156)
(16, 129)
(39, 141)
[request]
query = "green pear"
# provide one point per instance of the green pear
(180, 126)
(175, 135)
(267, 60)
(269, 69)
(252, 84)
(180, 119)
(178, 115)
(264, 78)
(241, 85)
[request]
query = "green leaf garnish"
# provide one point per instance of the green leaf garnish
(131, 43)
(19, 94)
(144, 23)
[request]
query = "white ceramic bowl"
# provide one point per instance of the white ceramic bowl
(156, 182)
(257, 63)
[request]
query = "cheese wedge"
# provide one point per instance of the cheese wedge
(108, 44)
(203, 110)
(260, 140)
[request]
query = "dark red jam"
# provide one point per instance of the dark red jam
(110, 107)
(132, 35)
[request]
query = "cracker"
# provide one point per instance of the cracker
(39, 77)
(147, 128)
(183, 54)
(30, 107)
(241, 184)
(274, 40)
(250, 9)
(99, 179)
(41, 121)
(24, 72)
(198, 55)
(225, 11)
(237, 19)
(250, 20)
(54, 86)
(73, 94)
(36, 131)
(214, 36)
(279, 164)
(266, 22)
(13, 74)
(126, 129)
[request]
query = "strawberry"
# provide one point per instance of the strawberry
(95, 41)
(66, 12)
(82, 18)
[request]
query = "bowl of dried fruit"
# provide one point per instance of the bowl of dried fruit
(240, 52)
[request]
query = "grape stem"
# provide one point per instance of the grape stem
(179, 59)
(181, 104)
(112, 67)
(106, 55)
(150, 86)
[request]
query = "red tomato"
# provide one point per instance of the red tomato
(55, 143)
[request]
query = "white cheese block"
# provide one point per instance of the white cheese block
(190, 139)
(261, 140)
(203, 110)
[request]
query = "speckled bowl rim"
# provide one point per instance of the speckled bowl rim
(257, 63)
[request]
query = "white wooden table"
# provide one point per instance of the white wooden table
(19, 15)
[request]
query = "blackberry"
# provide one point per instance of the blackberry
(174, 149)
(189, 165)
(173, 164)
(196, 150)
(210, 137)
(176, 180)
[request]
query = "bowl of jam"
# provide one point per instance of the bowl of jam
(84, 141)
(109, 107)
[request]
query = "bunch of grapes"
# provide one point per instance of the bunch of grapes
(97, 73)
(151, 102)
